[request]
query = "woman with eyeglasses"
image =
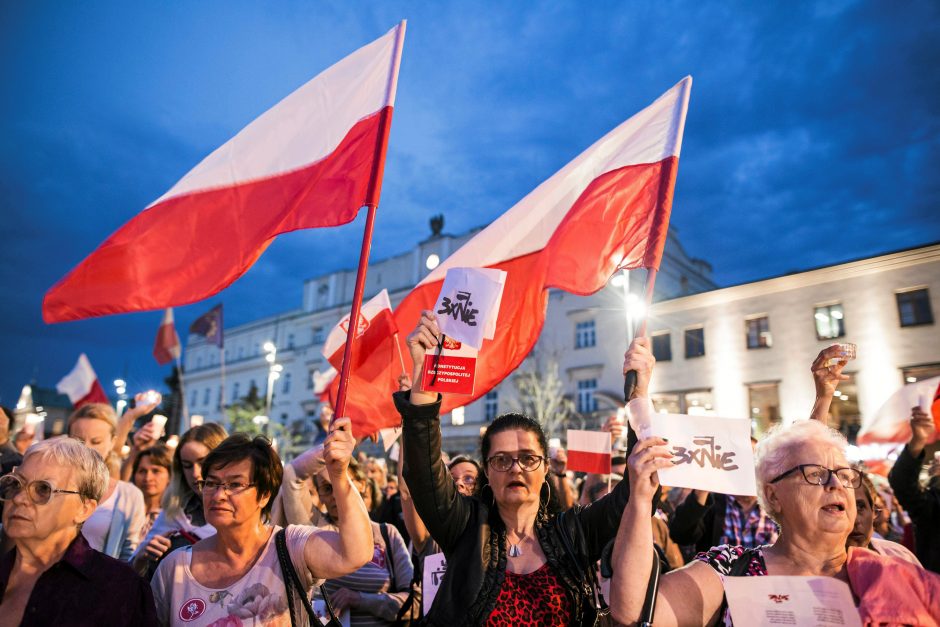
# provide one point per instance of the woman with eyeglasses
(252, 572)
(52, 576)
(805, 483)
(869, 508)
(511, 560)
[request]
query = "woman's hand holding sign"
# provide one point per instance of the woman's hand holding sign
(425, 337)
(647, 458)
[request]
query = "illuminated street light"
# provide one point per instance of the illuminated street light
(274, 372)
(432, 261)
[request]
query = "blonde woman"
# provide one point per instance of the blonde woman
(114, 527)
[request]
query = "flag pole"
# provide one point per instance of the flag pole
(372, 203)
(401, 359)
(630, 379)
(185, 416)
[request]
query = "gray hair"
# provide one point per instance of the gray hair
(775, 450)
(92, 473)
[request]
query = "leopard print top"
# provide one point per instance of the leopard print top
(536, 599)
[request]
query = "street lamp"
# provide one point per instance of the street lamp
(120, 386)
(274, 372)
(262, 423)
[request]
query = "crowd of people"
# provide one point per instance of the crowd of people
(113, 525)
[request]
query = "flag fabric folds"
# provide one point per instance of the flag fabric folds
(81, 385)
(892, 421)
(209, 325)
(589, 451)
(166, 347)
(310, 161)
(606, 210)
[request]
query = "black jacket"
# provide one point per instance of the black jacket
(699, 525)
(922, 505)
(472, 535)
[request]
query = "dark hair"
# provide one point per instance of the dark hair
(463, 459)
(266, 468)
(159, 454)
(507, 422)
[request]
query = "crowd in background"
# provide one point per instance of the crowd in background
(113, 525)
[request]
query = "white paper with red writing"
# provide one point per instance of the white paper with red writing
(468, 304)
(709, 453)
(776, 600)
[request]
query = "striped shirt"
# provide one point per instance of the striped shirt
(381, 597)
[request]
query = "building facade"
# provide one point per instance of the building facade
(578, 335)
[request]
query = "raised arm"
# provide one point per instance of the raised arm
(689, 596)
(904, 477)
(442, 509)
(413, 524)
(599, 520)
(827, 379)
(128, 418)
(330, 554)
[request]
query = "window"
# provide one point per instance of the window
(218, 404)
(285, 386)
(207, 396)
(694, 342)
(193, 398)
(914, 308)
(764, 402)
(290, 341)
(662, 347)
(758, 332)
(584, 336)
(691, 402)
(846, 417)
(491, 405)
(913, 374)
(586, 401)
(317, 335)
(666, 403)
(830, 322)
(235, 392)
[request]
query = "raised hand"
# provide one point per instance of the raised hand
(639, 357)
(338, 448)
(648, 457)
(827, 378)
(922, 430)
(145, 437)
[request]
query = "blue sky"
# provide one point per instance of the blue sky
(813, 133)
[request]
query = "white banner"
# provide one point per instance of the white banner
(434, 568)
(709, 453)
(468, 304)
(776, 600)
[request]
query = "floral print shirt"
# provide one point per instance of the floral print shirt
(257, 599)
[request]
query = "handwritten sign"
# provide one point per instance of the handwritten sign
(468, 304)
(434, 568)
(776, 600)
(453, 371)
(709, 453)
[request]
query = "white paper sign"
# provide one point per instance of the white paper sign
(468, 304)
(709, 453)
(775, 600)
(434, 568)
(389, 436)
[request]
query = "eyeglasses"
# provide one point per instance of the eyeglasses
(814, 474)
(40, 491)
(503, 462)
(235, 487)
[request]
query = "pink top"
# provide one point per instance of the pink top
(893, 591)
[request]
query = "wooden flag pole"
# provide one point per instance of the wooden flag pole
(372, 202)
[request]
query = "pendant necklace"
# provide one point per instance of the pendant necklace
(515, 549)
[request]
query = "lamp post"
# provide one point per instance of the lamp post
(274, 373)
(120, 386)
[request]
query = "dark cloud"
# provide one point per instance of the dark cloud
(813, 134)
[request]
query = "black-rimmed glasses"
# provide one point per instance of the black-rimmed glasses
(503, 462)
(814, 474)
(39, 491)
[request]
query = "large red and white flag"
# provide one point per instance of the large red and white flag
(81, 385)
(167, 347)
(310, 161)
(892, 421)
(589, 451)
(607, 210)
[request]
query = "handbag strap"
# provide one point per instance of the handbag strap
(389, 559)
(652, 589)
(291, 580)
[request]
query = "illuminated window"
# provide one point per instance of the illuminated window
(830, 322)
(764, 403)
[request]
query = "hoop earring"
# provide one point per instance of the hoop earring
(547, 489)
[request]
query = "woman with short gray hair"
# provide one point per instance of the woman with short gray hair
(804, 482)
(52, 576)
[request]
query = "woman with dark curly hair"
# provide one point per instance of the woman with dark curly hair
(512, 561)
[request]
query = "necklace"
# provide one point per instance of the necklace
(514, 550)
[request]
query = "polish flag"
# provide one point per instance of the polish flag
(375, 337)
(892, 421)
(607, 210)
(321, 383)
(311, 161)
(81, 385)
(166, 347)
(589, 451)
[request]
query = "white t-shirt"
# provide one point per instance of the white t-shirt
(258, 598)
(123, 514)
